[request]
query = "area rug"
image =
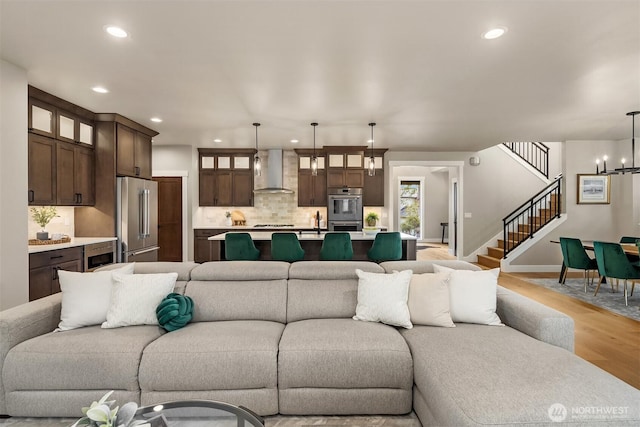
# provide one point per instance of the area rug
(421, 247)
(611, 301)
(409, 420)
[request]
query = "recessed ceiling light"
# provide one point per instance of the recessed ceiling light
(116, 31)
(494, 33)
(156, 119)
(217, 140)
(100, 89)
(294, 141)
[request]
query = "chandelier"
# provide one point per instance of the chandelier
(623, 169)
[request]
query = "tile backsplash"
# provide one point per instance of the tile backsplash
(62, 224)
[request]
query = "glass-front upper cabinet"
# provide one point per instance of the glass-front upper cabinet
(71, 128)
(42, 118)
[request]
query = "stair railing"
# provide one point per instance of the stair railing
(536, 154)
(526, 214)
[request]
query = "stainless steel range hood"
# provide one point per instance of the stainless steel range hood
(274, 175)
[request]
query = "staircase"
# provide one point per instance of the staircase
(521, 224)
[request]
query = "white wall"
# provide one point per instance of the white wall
(14, 258)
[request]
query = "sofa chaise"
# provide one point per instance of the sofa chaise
(280, 338)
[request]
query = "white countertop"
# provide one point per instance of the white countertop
(75, 241)
(355, 235)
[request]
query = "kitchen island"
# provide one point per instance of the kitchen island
(311, 242)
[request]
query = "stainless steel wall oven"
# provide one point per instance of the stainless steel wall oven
(344, 209)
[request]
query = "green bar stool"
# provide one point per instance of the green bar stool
(286, 247)
(387, 246)
(336, 247)
(613, 263)
(575, 256)
(240, 247)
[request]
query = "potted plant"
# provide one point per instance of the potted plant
(42, 216)
(371, 219)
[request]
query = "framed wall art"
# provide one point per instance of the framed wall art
(593, 189)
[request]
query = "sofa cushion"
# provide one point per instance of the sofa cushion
(383, 298)
(224, 355)
(465, 374)
(429, 300)
(87, 358)
(343, 353)
(473, 295)
(135, 297)
(324, 289)
(239, 290)
(419, 267)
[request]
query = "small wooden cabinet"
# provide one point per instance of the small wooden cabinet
(72, 128)
(225, 177)
(74, 175)
(44, 267)
(201, 246)
(312, 190)
(42, 118)
(133, 152)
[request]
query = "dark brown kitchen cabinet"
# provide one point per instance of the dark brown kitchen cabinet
(74, 175)
(373, 191)
(345, 166)
(312, 190)
(133, 153)
(345, 178)
(44, 267)
(225, 177)
(42, 170)
(201, 246)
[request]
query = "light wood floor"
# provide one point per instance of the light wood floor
(606, 339)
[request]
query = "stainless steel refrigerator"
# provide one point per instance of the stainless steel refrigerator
(137, 220)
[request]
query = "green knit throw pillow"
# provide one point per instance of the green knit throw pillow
(174, 311)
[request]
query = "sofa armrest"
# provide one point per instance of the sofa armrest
(24, 322)
(535, 319)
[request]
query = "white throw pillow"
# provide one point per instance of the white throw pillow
(134, 298)
(383, 298)
(86, 297)
(429, 300)
(473, 295)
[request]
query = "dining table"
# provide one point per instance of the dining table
(630, 249)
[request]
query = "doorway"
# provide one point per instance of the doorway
(169, 218)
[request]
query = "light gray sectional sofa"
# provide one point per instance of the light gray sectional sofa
(280, 338)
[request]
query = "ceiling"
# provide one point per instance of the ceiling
(565, 70)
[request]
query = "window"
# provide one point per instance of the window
(410, 208)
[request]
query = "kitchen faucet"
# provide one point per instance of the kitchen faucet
(318, 221)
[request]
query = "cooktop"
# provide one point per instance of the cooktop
(273, 225)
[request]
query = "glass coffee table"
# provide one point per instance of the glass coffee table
(196, 413)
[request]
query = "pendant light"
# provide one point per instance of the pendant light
(372, 160)
(257, 163)
(314, 158)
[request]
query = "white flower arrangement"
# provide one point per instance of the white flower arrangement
(100, 414)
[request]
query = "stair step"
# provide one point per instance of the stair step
(495, 252)
(525, 228)
(488, 261)
(517, 236)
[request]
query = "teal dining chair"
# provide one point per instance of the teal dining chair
(387, 246)
(613, 264)
(240, 247)
(286, 247)
(629, 239)
(336, 247)
(575, 256)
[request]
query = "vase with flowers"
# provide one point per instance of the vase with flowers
(229, 222)
(100, 414)
(43, 216)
